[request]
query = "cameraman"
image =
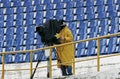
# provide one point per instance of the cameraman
(65, 53)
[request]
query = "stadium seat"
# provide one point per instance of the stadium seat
(104, 30)
(19, 16)
(80, 10)
(65, 1)
(7, 4)
(118, 2)
(100, 8)
(80, 17)
(93, 23)
(1, 11)
(27, 57)
(79, 3)
(90, 16)
(91, 51)
(114, 29)
(111, 7)
(29, 9)
(19, 58)
(46, 1)
(49, 6)
(112, 14)
(59, 14)
(70, 4)
(17, 3)
(69, 18)
(37, 2)
(56, 1)
(110, 2)
(39, 8)
(101, 15)
(30, 29)
(114, 21)
(82, 36)
(103, 22)
(93, 35)
(81, 52)
(59, 6)
(99, 2)
(89, 2)
(73, 28)
(9, 11)
(8, 58)
(19, 10)
(49, 14)
(103, 50)
(27, 3)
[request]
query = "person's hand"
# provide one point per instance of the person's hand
(62, 38)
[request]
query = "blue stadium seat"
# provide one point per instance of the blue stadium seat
(99, 2)
(59, 14)
(7, 4)
(80, 10)
(65, 1)
(89, 2)
(20, 16)
(81, 52)
(93, 35)
(111, 48)
(10, 17)
(114, 29)
(111, 7)
(17, 3)
(37, 2)
(80, 17)
(49, 6)
(110, 2)
(29, 18)
(59, 6)
(1, 20)
(1, 11)
(39, 8)
(82, 36)
(39, 18)
(93, 23)
(29, 9)
(103, 50)
(90, 16)
(9, 10)
(73, 28)
(100, 8)
(27, 3)
(112, 14)
(19, 22)
(91, 51)
(8, 58)
(46, 1)
(101, 15)
(30, 29)
(104, 30)
(90, 9)
(114, 21)
(27, 57)
(103, 22)
(118, 2)
(69, 17)
(49, 14)
(70, 4)
(41, 55)
(19, 10)
(69, 11)
(103, 42)
(19, 58)
(56, 1)
(79, 3)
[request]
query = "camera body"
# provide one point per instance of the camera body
(48, 31)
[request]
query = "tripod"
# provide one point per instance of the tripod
(39, 60)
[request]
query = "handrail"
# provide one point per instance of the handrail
(50, 47)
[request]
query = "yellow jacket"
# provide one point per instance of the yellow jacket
(66, 53)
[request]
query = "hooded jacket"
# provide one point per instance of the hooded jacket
(65, 53)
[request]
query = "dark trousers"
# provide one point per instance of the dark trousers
(66, 70)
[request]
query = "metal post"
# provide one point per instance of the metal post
(31, 65)
(98, 55)
(50, 64)
(74, 66)
(3, 65)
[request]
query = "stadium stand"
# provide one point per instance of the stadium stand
(86, 19)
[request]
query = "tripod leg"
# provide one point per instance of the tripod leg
(48, 76)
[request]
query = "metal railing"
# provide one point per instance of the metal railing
(50, 59)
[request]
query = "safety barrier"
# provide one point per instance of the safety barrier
(50, 59)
